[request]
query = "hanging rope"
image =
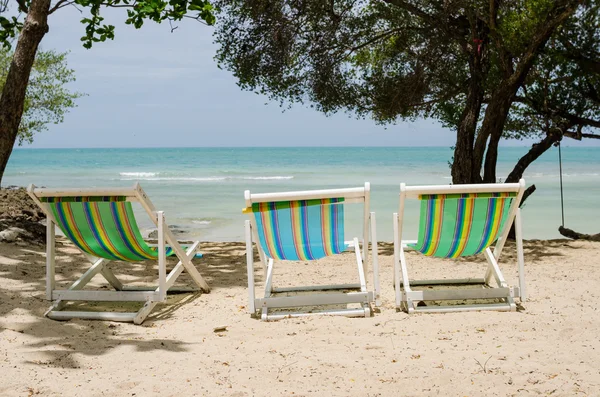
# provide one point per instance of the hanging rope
(562, 205)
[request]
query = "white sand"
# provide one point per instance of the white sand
(550, 348)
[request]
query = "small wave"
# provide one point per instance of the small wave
(201, 222)
(565, 175)
(267, 177)
(154, 176)
(176, 178)
(138, 174)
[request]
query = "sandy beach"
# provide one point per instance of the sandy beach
(550, 347)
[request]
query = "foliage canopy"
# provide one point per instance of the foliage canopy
(48, 98)
(96, 30)
(397, 59)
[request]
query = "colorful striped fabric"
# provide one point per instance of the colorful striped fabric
(301, 230)
(454, 225)
(102, 226)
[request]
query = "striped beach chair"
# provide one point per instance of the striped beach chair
(101, 223)
(460, 221)
(307, 226)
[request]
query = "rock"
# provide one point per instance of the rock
(21, 216)
(10, 235)
(153, 235)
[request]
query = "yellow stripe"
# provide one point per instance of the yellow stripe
(327, 228)
(72, 226)
(124, 219)
(265, 215)
(466, 227)
(296, 216)
(99, 226)
(437, 227)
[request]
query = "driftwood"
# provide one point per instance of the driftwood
(578, 236)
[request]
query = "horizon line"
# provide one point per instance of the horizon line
(255, 147)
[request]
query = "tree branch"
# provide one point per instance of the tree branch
(372, 40)
(590, 136)
(579, 120)
(505, 58)
(578, 135)
(111, 5)
(22, 6)
(347, 51)
(197, 18)
(573, 119)
(561, 11)
(60, 4)
(412, 9)
(432, 21)
(537, 149)
(588, 64)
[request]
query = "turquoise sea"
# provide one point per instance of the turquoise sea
(201, 190)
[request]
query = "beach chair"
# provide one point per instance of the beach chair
(307, 226)
(460, 221)
(100, 222)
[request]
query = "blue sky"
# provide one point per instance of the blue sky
(153, 88)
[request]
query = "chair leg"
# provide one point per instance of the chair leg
(362, 276)
(50, 258)
(141, 315)
(81, 282)
(112, 279)
(185, 259)
(396, 261)
(375, 256)
(410, 304)
(361, 270)
(520, 256)
(363, 298)
(56, 306)
(495, 272)
(250, 269)
(162, 258)
(269, 279)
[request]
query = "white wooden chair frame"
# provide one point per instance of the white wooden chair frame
(150, 295)
(409, 298)
(362, 296)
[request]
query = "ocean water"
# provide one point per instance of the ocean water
(201, 190)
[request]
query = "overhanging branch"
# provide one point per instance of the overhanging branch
(60, 4)
(562, 10)
(412, 9)
(22, 6)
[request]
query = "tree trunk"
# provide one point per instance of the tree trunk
(501, 100)
(537, 149)
(462, 170)
(493, 126)
(15, 87)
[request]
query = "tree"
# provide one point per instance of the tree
(465, 63)
(30, 32)
(560, 97)
(47, 98)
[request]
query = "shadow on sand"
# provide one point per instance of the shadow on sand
(52, 343)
